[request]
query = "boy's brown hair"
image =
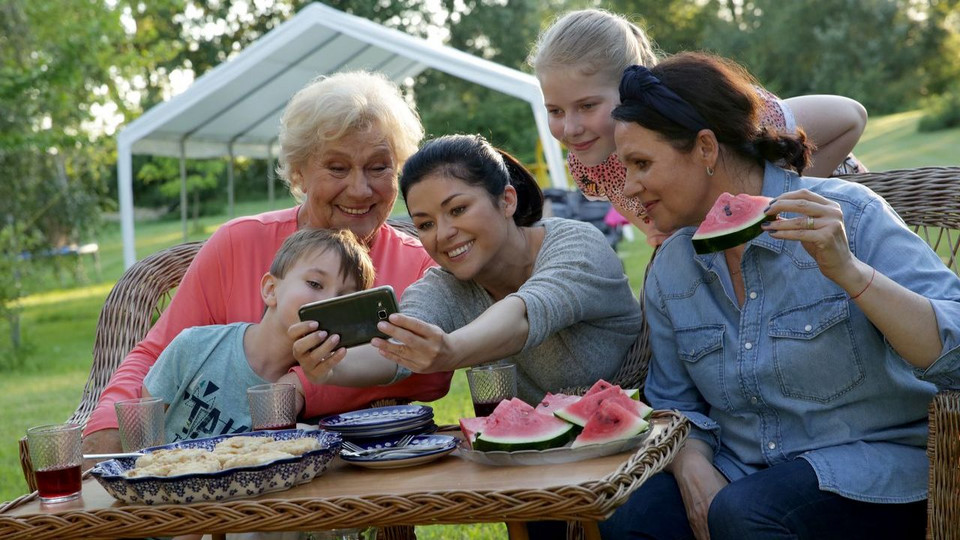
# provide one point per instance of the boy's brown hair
(354, 260)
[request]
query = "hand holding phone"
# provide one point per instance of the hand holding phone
(354, 316)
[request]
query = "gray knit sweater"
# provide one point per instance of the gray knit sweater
(583, 316)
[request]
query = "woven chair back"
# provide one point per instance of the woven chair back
(128, 313)
(928, 200)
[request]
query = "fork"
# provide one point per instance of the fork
(360, 451)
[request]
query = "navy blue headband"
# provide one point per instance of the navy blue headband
(641, 87)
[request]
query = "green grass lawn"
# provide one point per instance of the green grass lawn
(59, 315)
(893, 142)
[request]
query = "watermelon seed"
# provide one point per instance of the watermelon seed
(727, 211)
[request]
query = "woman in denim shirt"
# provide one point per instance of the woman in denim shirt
(806, 358)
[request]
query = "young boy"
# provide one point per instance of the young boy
(204, 373)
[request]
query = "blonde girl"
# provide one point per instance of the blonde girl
(579, 60)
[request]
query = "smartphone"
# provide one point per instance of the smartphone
(353, 316)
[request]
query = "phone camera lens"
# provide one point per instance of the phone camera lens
(382, 314)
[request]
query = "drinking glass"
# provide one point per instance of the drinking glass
(490, 384)
(141, 423)
(272, 406)
(56, 456)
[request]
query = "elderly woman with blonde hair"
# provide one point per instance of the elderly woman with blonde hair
(343, 139)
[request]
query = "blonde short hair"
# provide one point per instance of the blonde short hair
(592, 41)
(329, 107)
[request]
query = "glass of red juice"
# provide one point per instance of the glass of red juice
(56, 456)
(272, 406)
(490, 384)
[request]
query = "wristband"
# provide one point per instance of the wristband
(873, 275)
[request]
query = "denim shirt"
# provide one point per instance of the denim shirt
(798, 370)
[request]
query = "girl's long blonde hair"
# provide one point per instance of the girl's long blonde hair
(592, 41)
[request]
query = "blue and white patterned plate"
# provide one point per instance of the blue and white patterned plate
(446, 442)
(377, 417)
(386, 435)
(234, 483)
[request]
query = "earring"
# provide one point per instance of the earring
(709, 171)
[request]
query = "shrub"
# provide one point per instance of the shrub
(941, 112)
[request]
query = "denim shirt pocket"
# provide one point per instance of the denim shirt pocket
(701, 349)
(814, 350)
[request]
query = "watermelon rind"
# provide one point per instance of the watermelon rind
(611, 422)
(729, 239)
(557, 435)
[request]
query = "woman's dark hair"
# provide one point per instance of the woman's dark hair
(478, 163)
(726, 98)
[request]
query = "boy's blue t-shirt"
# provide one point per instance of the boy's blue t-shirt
(203, 376)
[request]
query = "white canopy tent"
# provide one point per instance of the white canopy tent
(234, 109)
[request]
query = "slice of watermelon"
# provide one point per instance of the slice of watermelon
(580, 412)
(598, 386)
(601, 385)
(733, 220)
(521, 428)
(555, 402)
(610, 422)
(471, 427)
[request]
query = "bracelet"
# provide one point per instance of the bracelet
(873, 275)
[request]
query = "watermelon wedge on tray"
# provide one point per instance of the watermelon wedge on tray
(733, 220)
(515, 425)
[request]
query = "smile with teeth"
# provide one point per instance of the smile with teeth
(460, 250)
(354, 211)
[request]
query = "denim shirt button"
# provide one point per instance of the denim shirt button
(807, 328)
(771, 445)
(754, 400)
(753, 295)
(748, 345)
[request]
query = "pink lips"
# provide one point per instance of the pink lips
(582, 146)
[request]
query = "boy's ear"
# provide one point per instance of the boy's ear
(268, 289)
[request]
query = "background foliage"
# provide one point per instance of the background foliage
(64, 63)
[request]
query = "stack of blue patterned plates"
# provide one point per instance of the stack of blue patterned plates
(381, 422)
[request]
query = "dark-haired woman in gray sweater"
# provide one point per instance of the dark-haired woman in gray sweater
(547, 294)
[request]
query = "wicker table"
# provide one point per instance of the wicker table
(450, 490)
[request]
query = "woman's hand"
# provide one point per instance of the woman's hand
(314, 351)
(416, 345)
(699, 482)
(819, 228)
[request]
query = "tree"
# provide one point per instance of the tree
(58, 63)
(883, 53)
(502, 32)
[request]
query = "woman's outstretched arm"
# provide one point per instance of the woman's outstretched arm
(833, 123)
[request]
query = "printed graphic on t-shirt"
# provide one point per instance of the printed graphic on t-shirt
(206, 419)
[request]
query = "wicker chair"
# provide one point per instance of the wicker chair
(928, 200)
